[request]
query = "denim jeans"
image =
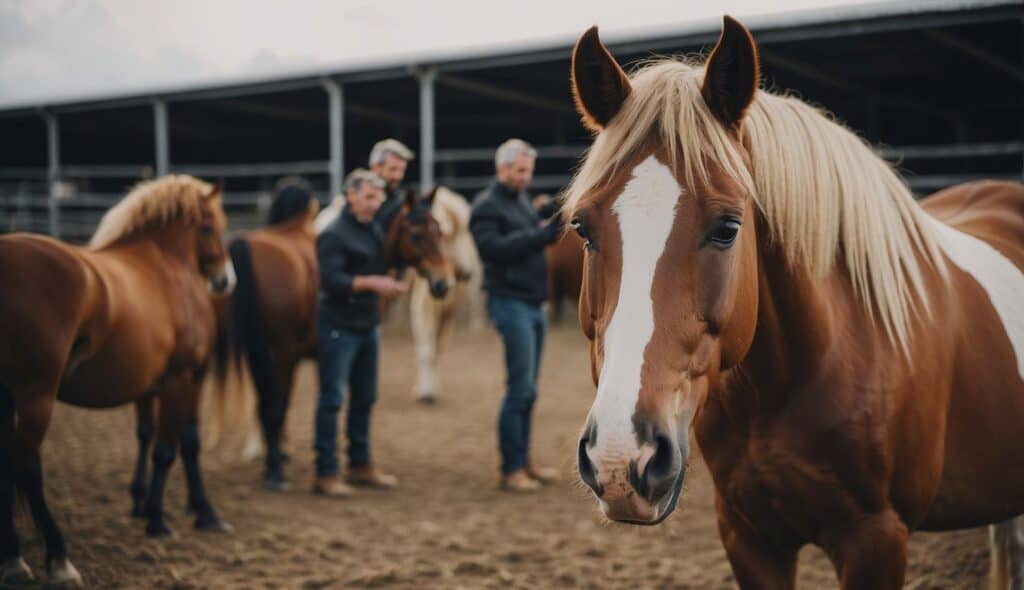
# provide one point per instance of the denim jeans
(521, 325)
(346, 356)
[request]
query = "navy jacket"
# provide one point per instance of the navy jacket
(511, 243)
(347, 248)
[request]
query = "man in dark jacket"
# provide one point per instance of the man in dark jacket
(350, 252)
(389, 159)
(511, 239)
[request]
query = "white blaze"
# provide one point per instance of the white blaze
(1001, 280)
(646, 210)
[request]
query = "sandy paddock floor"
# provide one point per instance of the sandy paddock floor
(446, 527)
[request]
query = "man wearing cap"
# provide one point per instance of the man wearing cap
(350, 252)
(511, 236)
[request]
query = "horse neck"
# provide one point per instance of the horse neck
(392, 241)
(795, 328)
(175, 241)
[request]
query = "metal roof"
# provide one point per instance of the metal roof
(782, 26)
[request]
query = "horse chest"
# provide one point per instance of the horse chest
(194, 332)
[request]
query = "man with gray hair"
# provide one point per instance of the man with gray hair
(353, 276)
(389, 159)
(511, 238)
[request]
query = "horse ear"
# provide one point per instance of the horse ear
(216, 189)
(732, 74)
(599, 86)
(429, 199)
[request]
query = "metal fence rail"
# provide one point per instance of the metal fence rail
(79, 215)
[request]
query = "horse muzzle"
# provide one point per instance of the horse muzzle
(635, 483)
(438, 288)
(224, 282)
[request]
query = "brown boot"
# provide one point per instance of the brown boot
(519, 481)
(544, 475)
(371, 477)
(331, 485)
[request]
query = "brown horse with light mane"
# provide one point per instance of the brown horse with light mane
(128, 318)
(851, 362)
(273, 311)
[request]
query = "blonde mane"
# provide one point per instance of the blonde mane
(825, 195)
(152, 203)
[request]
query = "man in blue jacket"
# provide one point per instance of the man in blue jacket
(511, 238)
(350, 252)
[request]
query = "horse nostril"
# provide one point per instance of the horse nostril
(662, 470)
(439, 288)
(587, 471)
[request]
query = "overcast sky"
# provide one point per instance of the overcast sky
(59, 48)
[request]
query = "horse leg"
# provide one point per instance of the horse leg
(171, 418)
(424, 316)
(273, 411)
(144, 433)
(759, 565)
(34, 411)
(206, 517)
(870, 552)
(1006, 541)
(13, 569)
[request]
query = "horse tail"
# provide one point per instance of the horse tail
(241, 340)
(249, 339)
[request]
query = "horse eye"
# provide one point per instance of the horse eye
(725, 233)
(582, 231)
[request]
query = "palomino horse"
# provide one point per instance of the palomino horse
(429, 315)
(851, 362)
(128, 318)
(273, 310)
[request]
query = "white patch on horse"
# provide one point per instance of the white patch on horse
(1001, 280)
(646, 210)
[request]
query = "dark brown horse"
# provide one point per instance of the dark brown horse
(273, 309)
(851, 362)
(128, 318)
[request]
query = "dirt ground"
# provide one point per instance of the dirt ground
(446, 527)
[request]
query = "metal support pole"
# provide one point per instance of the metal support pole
(427, 77)
(163, 148)
(336, 110)
(53, 170)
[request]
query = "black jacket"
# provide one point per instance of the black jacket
(389, 209)
(511, 242)
(345, 249)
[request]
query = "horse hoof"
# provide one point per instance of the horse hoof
(159, 530)
(215, 525)
(63, 576)
(276, 485)
(15, 573)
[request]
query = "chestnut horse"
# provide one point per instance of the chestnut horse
(851, 362)
(273, 310)
(128, 318)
